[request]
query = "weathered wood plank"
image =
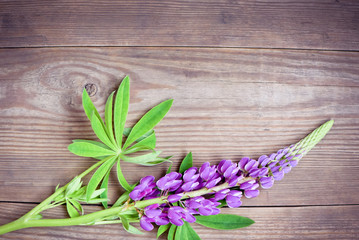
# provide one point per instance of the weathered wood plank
(229, 103)
(306, 24)
(329, 222)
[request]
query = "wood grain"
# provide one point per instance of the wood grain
(229, 103)
(320, 24)
(315, 222)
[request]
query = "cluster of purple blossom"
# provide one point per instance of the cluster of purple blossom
(242, 178)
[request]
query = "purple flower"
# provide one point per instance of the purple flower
(188, 186)
(174, 198)
(227, 168)
(144, 189)
(221, 194)
(176, 214)
(233, 199)
(234, 180)
(190, 175)
(251, 193)
(266, 182)
(171, 181)
(207, 172)
(145, 223)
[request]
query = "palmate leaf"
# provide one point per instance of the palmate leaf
(98, 176)
(89, 107)
(88, 149)
(224, 221)
(104, 185)
(100, 132)
(71, 210)
(148, 121)
(142, 159)
(186, 163)
(109, 117)
(147, 143)
(121, 179)
(121, 109)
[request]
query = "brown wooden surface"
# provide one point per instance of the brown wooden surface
(229, 102)
(313, 222)
(318, 24)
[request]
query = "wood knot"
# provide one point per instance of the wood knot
(91, 89)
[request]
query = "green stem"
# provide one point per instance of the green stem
(81, 220)
(44, 204)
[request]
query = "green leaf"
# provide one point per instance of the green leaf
(148, 121)
(89, 107)
(169, 168)
(99, 144)
(98, 176)
(87, 149)
(186, 163)
(224, 221)
(122, 179)
(121, 109)
(77, 206)
(180, 233)
(71, 210)
(172, 232)
(186, 232)
(98, 192)
(125, 223)
(147, 143)
(101, 132)
(162, 229)
(122, 199)
(73, 186)
(133, 230)
(142, 159)
(104, 185)
(108, 118)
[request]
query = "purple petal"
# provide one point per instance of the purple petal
(221, 194)
(174, 198)
(242, 163)
(189, 217)
(190, 174)
(234, 204)
(161, 221)
(204, 211)
(234, 180)
(177, 221)
(153, 213)
(147, 180)
(252, 164)
(145, 225)
(278, 175)
(213, 183)
(251, 193)
(247, 185)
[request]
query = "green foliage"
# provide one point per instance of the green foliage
(148, 122)
(186, 232)
(121, 109)
(224, 221)
(111, 133)
(162, 229)
(172, 232)
(98, 176)
(186, 163)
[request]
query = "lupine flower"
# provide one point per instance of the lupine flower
(233, 180)
(171, 181)
(144, 188)
(233, 198)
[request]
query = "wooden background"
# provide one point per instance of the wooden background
(247, 77)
